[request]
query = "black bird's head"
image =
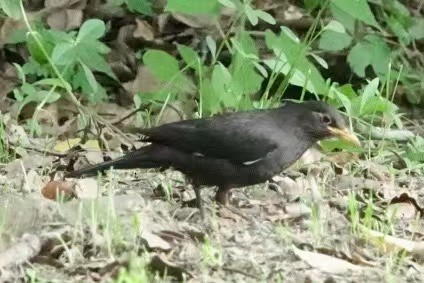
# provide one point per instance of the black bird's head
(324, 121)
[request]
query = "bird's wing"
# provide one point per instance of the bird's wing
(240, 138)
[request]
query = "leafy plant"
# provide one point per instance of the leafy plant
(76, 55)
(212, 255)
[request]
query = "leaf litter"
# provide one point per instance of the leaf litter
(317, 222)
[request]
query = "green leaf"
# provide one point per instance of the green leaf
(359, 58)
(344, 18)
(227, 3)
(334, 41)
(380, 53)
(320, 60)
(248, 43)
(91, 30)
(19, 96)
(63, 54)
(11, 8)
(335, 26)
(154, 96)
(141, 6)
(245, 46)
(358, 9)
(287, 31)
(375, 105)
(194, 7)
(297, 77)
(35, 50)
(52, 82)
(17, 36)
(48, 96)
(311, 4)
(331, 145)
(261, 69)
(93, 59)
(417, 29)
(244, 75)
(399, 30)
(224, 86)
(369, 91)
(290, 54)
(265, 17)
(348, 91)
(32, 67)
(211, 45)
(251, 15)
(80, 80)
(59, 36)
(90, 77)
(343, 98)
(163, 66)
(209, 99)
(34, 127)
(189, 56)
(21, 72)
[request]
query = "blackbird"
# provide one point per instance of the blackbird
(234, 149)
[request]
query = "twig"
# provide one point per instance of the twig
(229, 269)
(52, 153)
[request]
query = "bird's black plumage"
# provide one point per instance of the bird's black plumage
(234, 149)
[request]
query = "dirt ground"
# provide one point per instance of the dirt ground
(311, 225)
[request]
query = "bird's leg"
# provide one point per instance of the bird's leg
(199, 202)
(221, 199)
(221, 196)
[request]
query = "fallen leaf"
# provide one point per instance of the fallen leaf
(389, 243)
(87, 188)
(325, 263)
(161, 263)
(64, 146)
(22, 251)
(59, 190)
(401, 210)
(143, 30)
(148, 233)
(341, 159)
(66, 19)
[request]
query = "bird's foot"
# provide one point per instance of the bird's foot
(221, 196)
(232, 213)
(196, 202)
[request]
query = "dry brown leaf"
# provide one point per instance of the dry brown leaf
(402, 210)
(161, 263)
(143, 30)
(18, 167)
(21, 252)
(59, 190)
(310, 156)
(8, 81)
(154, 241)
(326, 263)
(390, 243)
(87, 188)
(150, 232)
(291, 189)
(341, 159)
(194, 21)
(356, 183)
(295, 210)
(65, 14)
(9, 25)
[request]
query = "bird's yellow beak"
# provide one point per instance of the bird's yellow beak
(345, 134)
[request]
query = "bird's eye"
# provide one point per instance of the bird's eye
(325, 119)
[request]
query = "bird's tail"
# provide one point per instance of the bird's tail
(141, 158)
